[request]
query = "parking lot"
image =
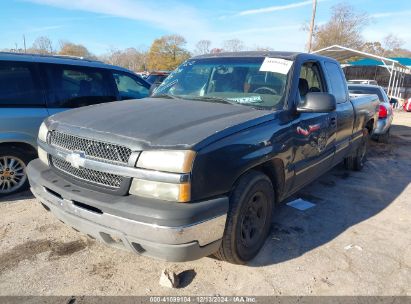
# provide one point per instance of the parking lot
(354, 241)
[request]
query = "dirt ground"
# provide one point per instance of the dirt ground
(355, 241)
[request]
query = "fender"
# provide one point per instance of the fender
(219, 165)
(10, 137)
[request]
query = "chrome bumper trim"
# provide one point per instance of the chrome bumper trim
(204, 232)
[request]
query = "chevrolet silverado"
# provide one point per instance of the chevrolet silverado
(199, 168)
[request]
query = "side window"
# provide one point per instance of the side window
(77, 86)
(310, 79)
(129, 87)
(18, 85)
(337, 82)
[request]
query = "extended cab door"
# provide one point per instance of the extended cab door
(345, 110)
(314, 132)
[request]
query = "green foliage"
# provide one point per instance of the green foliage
(167, 52)
(71, 49)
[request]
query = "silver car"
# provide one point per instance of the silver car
(33, 87)
(382, 131)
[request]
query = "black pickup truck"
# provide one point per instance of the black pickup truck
(199, 168)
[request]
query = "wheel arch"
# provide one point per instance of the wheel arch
(20, 145)
(370, 125)
(274, 169)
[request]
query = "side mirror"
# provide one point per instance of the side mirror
(317, 102)
(393, 100)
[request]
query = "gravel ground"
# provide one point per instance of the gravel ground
(355, 241)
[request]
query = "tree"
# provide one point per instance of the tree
(167, 52)
(71, 49)
(373, 48)
(216, 51)
(202, 47)
(130, 58)
(344, 28)
(262, 48)
(392, 42)
(42, 45)
(233, 45)
(391, 47)
(400, 52)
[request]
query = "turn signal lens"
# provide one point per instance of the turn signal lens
(43, 156)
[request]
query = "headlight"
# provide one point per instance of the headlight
(176, 161)
(43, 156)
(43, 132)
(164, 191)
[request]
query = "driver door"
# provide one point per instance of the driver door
(315, 133)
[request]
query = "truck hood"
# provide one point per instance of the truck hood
(158, 122)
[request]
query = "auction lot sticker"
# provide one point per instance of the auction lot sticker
(276, 65)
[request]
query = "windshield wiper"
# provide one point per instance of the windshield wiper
(169, 96)
(210, 99)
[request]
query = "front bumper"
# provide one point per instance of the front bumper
(170, 231)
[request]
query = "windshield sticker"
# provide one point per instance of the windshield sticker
(251, 99)
(187, 63)
(276, 65)
(164, 86)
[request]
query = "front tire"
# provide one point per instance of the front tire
(249, 218)
(13, 176)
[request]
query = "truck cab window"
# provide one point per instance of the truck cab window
(310, 79)
(337, 82)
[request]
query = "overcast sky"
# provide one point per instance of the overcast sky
(104, 24)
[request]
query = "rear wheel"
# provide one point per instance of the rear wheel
(357, 160)
(384, 138)
(13, 177)
(249, 218)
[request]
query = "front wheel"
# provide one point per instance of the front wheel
(249, 218)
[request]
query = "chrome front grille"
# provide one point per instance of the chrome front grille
(93, 149)
(97, 177)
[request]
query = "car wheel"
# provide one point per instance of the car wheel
(384, 138)
(356, 162)
(13, 177)
(249, 218)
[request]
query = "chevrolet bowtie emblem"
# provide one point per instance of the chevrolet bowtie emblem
(76, 159)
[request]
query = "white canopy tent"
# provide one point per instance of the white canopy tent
(396, 69)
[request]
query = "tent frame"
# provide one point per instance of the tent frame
(397, 70)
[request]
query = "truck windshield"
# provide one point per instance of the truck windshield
(226, 80)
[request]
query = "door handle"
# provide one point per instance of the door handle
(333, 121)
